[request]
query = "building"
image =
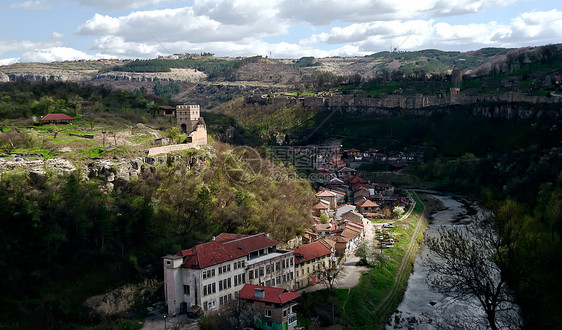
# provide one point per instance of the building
(275, 306)
(310, 260)
(190, 122)
(167, 110)
(328, 196)
(56, 118)
(187, 116)
(211, 274)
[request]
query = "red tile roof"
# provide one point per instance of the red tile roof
(320, 206)
(369, 203)
(272, 295)
(56, 116)
(209, 254)
(325, 193)
(252, 243)
(357, 179)
(310, 251)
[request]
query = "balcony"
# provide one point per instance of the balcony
(292, 321)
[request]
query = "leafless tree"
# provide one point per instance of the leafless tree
(473, 263)
(330, 274)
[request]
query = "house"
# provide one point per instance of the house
(211, 274)
(322, 229)
(346, 173)
(329, 197)
(311, 259)
(167, 110)
(361, 192)
(352, 216)
(342, 245)
(56, 118)
(275, 306)
(343, 209)
(368, 206)
(322, 207)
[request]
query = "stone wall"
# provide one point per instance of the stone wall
(397, 101)
(171, 148)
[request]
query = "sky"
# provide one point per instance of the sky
(57, 30)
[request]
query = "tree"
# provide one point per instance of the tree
(330, 274)
(472, 262)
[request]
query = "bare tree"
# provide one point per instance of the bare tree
(472, 263)
(330, 274)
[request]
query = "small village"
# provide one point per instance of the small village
(268, 276)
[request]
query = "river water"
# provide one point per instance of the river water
(422, 308)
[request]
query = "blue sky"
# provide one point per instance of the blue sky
(49, 30)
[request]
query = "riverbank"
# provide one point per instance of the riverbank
(369, 304)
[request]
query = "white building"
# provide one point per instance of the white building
(211, 274)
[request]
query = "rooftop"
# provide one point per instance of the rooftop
(272, 295)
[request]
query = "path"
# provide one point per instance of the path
(404, 258)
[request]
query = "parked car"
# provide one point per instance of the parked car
(387, 225)
(361, 262)
(384, 246)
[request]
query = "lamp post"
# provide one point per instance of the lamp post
(165, 322)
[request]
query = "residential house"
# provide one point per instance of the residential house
(210, 274)
(346, 173)
(329, 197)
(322, 229)
(368, 206)
(343, 209)
(342, 245)
(275, 306)
(322, 207)
(353, 216)
(310, 260)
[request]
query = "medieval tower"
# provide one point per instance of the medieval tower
(187, 116)
(190, 122)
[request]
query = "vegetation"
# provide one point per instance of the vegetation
(215, 68)
(59, 230)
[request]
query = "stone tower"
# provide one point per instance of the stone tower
(187, 117)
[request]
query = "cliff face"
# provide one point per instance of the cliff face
(510, 105)
(109, 170)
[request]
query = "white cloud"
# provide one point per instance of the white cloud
(57, 35)
(8, 61)
(528, 28)
(54, 54)
(325, 12)
(173, 25)
(120, 4)
(24, 45)
(31, 5)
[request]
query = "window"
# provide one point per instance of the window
(186, 289)
(221, 301)
(291, 261)
(278, 266)
(267, 312)
(220, 285)
(251, 275)
(261, 271)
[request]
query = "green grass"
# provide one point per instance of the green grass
(360, 310)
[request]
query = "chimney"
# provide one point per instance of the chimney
(212, 239)
(259, 293)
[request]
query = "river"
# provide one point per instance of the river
(422, 308)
